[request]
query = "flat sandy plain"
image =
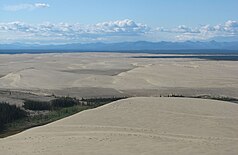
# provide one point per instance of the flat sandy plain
(139, 125)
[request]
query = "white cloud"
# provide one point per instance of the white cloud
(204, 32)
(41, 5)
(121, 27)
(113, 31)
(76, 32)
(25, 6)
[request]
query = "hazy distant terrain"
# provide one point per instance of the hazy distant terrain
(213, 46)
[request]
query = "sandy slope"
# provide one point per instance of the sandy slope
(135, 126)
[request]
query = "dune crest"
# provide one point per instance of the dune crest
(11, 79)
(136, 126)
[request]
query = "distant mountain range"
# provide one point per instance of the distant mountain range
(127, 46)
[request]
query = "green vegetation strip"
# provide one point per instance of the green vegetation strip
(56, 109)
(218, 98)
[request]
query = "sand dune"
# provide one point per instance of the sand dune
(136, 126)
(145, 126)
(116, 71)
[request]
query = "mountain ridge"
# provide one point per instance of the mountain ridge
(127, 46)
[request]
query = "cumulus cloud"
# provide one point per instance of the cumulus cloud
(113, 31)
(41, 5)
(203, 32)
(25, 6)
(76, 32)
(125, 27)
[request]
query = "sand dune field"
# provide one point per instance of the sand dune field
(119, 72)
(144, 124)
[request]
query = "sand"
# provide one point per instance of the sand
(135, 126)
(140, 125)
(118, 72)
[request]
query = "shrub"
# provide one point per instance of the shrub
(37, 105)
(100, 101)
(9, 113)
(64, 102)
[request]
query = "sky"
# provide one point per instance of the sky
(84, 21)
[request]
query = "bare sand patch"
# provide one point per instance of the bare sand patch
(88, 92)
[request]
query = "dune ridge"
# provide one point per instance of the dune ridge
(142, 125)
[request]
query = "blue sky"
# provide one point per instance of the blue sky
(66, 21)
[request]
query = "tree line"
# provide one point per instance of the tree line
(9, 113)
